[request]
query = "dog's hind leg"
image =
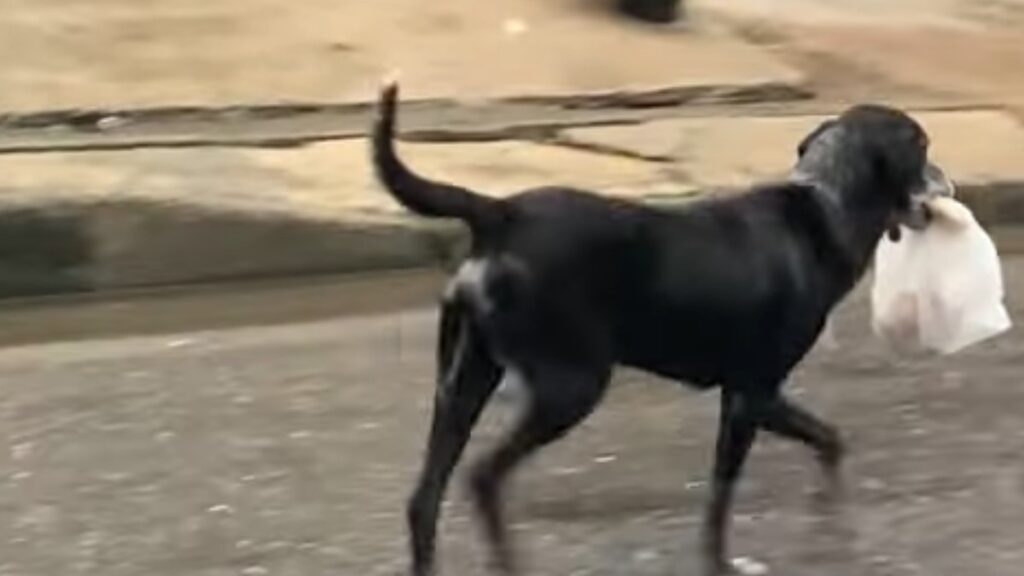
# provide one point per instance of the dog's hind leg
(793, 422)
(467, 375)
(561, 397)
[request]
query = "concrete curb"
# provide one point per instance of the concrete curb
(108, 246)
(89, 247)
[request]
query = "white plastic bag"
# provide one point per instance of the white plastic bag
(940, 288)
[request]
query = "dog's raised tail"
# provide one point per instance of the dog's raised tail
(418, 194)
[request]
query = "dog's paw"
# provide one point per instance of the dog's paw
(739, 566)
(829, 498)
(746, 566)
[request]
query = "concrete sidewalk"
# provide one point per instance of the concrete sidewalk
(124, 54)
(105, 220)
(968, 51)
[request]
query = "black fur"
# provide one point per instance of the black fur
(564, 285)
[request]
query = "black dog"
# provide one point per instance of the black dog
(562, 285)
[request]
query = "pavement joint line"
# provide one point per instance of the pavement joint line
(540, 132)
(27, 140)
(627, 98)
(608, 150)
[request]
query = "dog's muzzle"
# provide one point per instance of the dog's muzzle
(917, 216)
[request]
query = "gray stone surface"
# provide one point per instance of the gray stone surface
(290, 450)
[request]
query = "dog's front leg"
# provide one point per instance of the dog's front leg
(738, 425)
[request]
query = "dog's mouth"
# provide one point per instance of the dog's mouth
(917, 216)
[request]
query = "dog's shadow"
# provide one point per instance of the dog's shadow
(609, 505)
(832, 522)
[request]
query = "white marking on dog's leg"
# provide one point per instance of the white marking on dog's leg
(513, 388)
(471, 280)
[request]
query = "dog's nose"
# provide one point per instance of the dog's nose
(937, 183)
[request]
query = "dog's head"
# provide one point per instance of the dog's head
(881, 152)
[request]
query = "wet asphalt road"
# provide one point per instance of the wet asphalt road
(288, 449)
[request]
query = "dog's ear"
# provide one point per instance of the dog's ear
(899, 168)
(806, 142)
